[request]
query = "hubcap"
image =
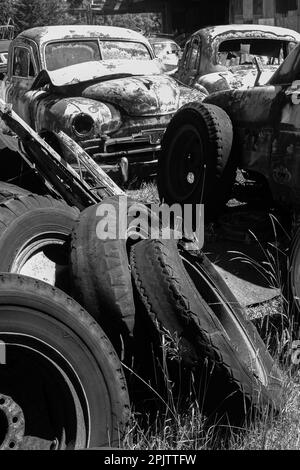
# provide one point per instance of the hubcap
(43, 405)
(185, 165)
(12, 424)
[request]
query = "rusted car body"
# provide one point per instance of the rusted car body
(266, 129)
(223, 57)
(100, 85)
(167, 50)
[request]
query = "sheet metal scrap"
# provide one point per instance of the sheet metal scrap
(54, 169)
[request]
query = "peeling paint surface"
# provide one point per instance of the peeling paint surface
(266, 130)
(114, 108)
(220, 66)
(81, 73)
(42, 35)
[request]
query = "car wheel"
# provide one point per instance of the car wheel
(187, 303)
(194, 164)
(294, 276)
(100, 267)
(61, 383)
(33, 234)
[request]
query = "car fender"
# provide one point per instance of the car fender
(213, 82)
(54, 113)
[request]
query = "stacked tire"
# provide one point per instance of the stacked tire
(74, 393)
(148, 304)
(176, 299)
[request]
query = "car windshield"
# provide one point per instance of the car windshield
(66, 53)
(242, 51)
(161, 49)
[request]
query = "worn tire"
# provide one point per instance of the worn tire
(293, 283)
(209, 344)
(100, 271)
(194, 164)
(88, 383)
(27, 222)
(8, 190)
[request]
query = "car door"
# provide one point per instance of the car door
(285, 155)
(267, 132)
(19, 81)
(189, 64)
(255, 114)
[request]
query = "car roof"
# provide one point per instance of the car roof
(214, 31)
(45, 34)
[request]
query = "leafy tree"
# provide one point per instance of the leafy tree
(31, 13)
(146, 23)
(8, 10)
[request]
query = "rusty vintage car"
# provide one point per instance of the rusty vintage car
(100, 85)
(167, 50)
(255, 129)
(222, 57)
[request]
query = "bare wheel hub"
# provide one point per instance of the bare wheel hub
(12, 424)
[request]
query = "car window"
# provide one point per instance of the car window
(194, 54)
(289, 71)
(185, 55)
(124, 50)
(22, 63)
(63, 54)
(242, 51)
(162, 49)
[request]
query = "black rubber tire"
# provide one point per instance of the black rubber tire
(24, 219)
(200, 134)
(100, 271)
(206, 343)
(61, 330)
(8, 190)
(293, 283)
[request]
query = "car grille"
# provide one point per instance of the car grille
(111, 149)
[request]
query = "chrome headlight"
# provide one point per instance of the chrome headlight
(82, 125)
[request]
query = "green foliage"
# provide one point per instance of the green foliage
(146, 23)
(30, 13)
(8, 10)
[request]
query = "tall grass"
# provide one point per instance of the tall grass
(188, 430)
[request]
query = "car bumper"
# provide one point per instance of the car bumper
(127, 158)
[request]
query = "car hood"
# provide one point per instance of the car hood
(138, 96)
(235, 77)
(95, 70)
(140, 89)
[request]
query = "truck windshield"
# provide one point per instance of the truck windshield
(63, 54)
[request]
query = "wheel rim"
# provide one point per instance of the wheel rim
(185, 165)
(42, 401)
(43, 257)
(239, 337)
